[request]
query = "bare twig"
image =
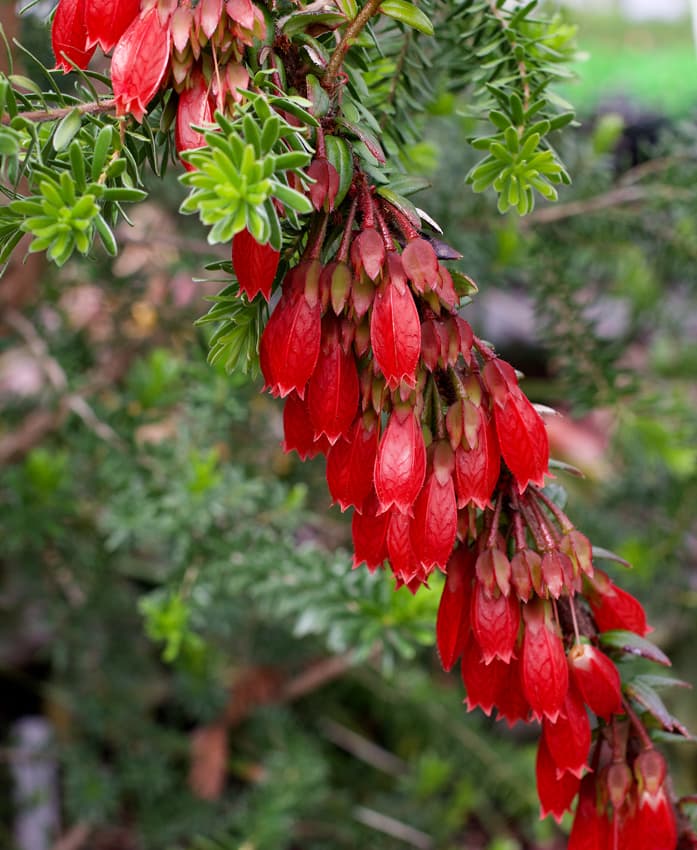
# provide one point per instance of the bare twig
(393, 827)
(352, 30)
(94, 107)
(363, 749)
(615, 197)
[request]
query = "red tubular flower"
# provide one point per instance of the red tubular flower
(597, 679)
(403, 560)
(520, 429)
(434, 526)
(545, 673)
(350, 464)
(556, 793)
(289, 345)
(298, 432)
(569, 739)
(557, 572)
(108, 20)
(524, 565)
(421, 264)
(139, 63)
(511, 704)
(194, 108)
(369, 532)
(590, 829)
(332, 391)
(482, 681)
(69, 35)
(395, 332)
(400, 465)
(614, 608)
(453, 621)
(655, 824)
(255, 265)
(477, 464)
(495, 623)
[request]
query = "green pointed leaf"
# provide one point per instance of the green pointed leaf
(66, 130)
(631, 644)
(407, 13)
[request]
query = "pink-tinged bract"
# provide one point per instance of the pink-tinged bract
(139, 63)
(368, 253)
(453, 621)
(482, 681)
(69, 35)
(255, 265)
(597, 679)
(556, 792)
(400, 465)
(421, 264)
(395, 334)
(614, 608)
(108, 20)
(194, 108)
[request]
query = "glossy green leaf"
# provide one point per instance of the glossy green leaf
(407, 13)
(66, 130)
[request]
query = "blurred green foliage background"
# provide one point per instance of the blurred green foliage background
(177, 599)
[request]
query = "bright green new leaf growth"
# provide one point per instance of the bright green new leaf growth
(238, 175)
(59, 221)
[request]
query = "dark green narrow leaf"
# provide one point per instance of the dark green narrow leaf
(66, 130)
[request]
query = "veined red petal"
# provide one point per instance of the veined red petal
(108, 20)
(482, 681)
(395, 334)
(556, 792)
(69, 35)
(255, 265)
(523, 440)
(545, 672)
(597, 679)
(421, 264)
(194, 108)
(298, 432)
(350, 464)
(569, 739)
(332, 391)
(495, 623)
(400, 465)
(139, 63)
(434, 526)
(453, 621)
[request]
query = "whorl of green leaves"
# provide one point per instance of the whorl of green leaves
(244, 168)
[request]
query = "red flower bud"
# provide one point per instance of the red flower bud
(332, 391)
(569, 738)
(350, 464)
(556, 793)
(108, 20)
(368, 253)
(324, 190)
(194, 108)
(524, 565)
(597, 679)
(495, 623)
(557, 572)
(400, 466)
(69, 35)
(545, 673)
(614, 608)
(139, 63)
(453, 621)
(369, 532)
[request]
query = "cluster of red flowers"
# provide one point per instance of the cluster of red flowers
(160, 44)
(426, 432)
